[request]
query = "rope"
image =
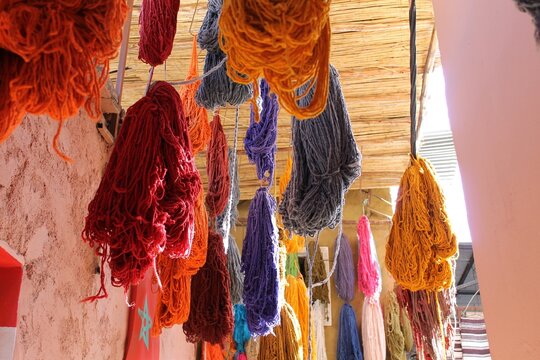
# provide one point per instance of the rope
(287, 43)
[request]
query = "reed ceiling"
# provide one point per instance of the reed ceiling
(370, 48)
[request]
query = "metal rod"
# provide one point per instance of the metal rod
(122, 58)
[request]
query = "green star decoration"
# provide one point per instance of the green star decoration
(146, 323)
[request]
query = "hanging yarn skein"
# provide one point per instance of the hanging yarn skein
(210, 318)
(217, 162)
(287, 51)
(174, 299)
(145, 202)
(369, 281)
(235, 271)
(326, 161)
(344, 275)
(50, 52)
(217, 89)
(296, 295)
(260, 140)
(318, 274)
(373, 337)
(197, 116)
(286, 341)
(406, 329)
(348, 344)
(259, 264)
(157, 28)
(318, 325)
(421, 244)
(395, 341)
(241, 331)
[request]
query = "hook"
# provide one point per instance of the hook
(365, 204)
(193, 18)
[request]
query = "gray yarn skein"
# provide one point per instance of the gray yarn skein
(326, 161)
(217, 89)
(235, 273)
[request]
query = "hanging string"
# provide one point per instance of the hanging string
(348, 344)
(157, 28)
(197, 116)
(286, 340)
(326, 161)
(49, 58)
(145, 202)
(259, 264)
(369, 281)
(210, 318)
(217, 89)
(217, 163)
(395, 341)
(260, 140)
(344, 276)
(287, 53)
(412, 48)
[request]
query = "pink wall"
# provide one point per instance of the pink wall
(492, 70)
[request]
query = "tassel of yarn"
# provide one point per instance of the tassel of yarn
(260, 140)
(145, 201)
(217, 161)
(50, 56)
(210, 318)
(241, 333)
(260, 44)
(421, 244)
(157, 28)
(213, 351)
(174, 299)
(373, 330)
(344, 275)
(296, 295)
(286, 340)
(369, 281)
(217, 89)
(395, 341)
(326, 161)
(318, 274)
(197, 116)
(235, 272)
(532, 7)
(259, 264)
(348, 339)
(318, 325)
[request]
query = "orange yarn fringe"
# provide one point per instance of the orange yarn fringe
(197, 117)
(421, 244)
(51, 52)
(287, 53)
(174, 300)
(286, 342)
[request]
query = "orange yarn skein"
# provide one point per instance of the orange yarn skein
(421, 245)
(61, 43)
(286, 42)
(197, 116)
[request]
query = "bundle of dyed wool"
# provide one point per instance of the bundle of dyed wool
(146, 199)
(217, 161)
(260, 140)
(430, 315)
(318, 274)
(318, 325)
(286, 340)
(252, 349)
(407, 331)
(395, 341)
(373, 329)
(287, 51)
(326, 161)
(197, 116)
(210, 317)
(369, 281)
(532, 7)
(174, 299)
(421, 245)
(157, 28)
(217, 89)
(227, 218)
(345, 270)
(213, 351)
(259, 264)
(235, 271)
(51, 52)
(348, 347)
(241, 333)
(296, 295)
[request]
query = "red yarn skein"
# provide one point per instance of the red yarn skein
(157, 28)
(145, 201)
